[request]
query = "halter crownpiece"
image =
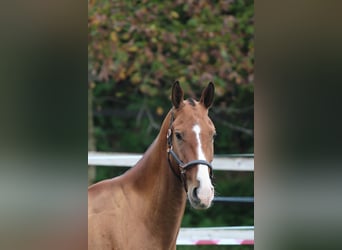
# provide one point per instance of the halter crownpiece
(183, 167)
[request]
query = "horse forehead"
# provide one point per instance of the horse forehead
(201, 128)
(197, 129)
(188, 119)
(193, 113)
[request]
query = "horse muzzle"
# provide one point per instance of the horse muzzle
(201, 197)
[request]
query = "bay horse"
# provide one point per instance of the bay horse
(143, 208)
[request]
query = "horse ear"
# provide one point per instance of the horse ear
(177, 95)
(207, 97)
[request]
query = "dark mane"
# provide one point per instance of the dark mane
(191, 102)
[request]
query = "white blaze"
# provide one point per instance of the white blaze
(205, 191)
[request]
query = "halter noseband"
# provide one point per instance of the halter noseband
(183, 167)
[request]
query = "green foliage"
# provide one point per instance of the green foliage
(136, 49)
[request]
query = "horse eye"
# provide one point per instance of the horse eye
(179, 136)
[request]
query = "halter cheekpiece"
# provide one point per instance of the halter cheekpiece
(183, 167)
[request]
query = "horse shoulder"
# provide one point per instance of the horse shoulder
(106, 208)
(106, 196)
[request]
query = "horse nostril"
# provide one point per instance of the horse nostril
(194, 193)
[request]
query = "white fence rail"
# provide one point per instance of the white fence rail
(227, 163)
(216, 236)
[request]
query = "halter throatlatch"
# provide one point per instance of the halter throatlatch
(183, 167)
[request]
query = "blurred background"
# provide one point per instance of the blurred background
(137, 49)
(297, 105)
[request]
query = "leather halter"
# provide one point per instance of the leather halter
(183, 167)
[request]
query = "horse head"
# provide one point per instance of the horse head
(191, 137)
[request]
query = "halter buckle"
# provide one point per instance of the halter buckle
(168, 133)
(182, 170)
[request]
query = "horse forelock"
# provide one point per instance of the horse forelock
(192, 102)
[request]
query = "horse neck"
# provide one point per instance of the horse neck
(163, 193)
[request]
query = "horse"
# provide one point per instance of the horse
(143, 208)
